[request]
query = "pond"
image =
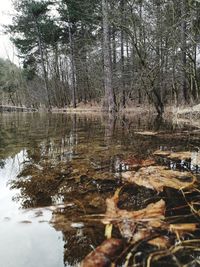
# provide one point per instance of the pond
(57, 170)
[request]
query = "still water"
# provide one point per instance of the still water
(57, 168)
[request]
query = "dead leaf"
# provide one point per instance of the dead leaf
(160, 242)
(158, 177)
(127, 221)
(141, 234)
(134, 163)
(103, 255)
(184, 155)
(161, 153)
(143, 224)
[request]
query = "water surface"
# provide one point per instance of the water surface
(56, 169)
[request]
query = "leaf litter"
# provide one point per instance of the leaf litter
(158, 177)
(136, 217)
(150, 225)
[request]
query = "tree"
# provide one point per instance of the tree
(109, 103)
(31, 33)
(183, 51)
(149, 49)
(12, 85)
(81, 20)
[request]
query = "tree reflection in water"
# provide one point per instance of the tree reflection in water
(74, 163)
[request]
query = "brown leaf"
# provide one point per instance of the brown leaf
(127, 221)
(103, 255)
(160, 242)
(114, 214)
(194, 157)
(158, 177)
(161, 153)
(134, 163)
(180, 155)
(185, 155)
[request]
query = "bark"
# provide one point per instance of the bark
(82, 73)
(122, 57)
(158, 80)
(73, 71)
(195, 91)
(183, 53)
(109, 103)
(43, 63)
(71, 46)
(114, 54)
(140, 45)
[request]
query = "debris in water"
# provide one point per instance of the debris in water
(158, 177)
(133, 163)
(127, 221)
(185, 155)
(103, 255)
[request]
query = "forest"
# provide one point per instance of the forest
(100, 134)
(113, 53)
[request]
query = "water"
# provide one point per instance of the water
(55, 170)
(25, 240)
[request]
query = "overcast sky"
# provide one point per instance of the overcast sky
(6, 47)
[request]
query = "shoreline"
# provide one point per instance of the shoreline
(188, 112)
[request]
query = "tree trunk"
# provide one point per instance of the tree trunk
(73, 80)
(140, 45)
(122, 56)
(158, 60)
(183, 53)
(109, 103)
(43, 63)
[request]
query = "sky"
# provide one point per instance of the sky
(6, 47)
